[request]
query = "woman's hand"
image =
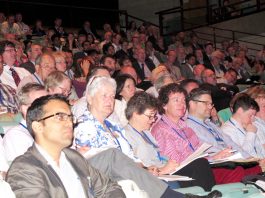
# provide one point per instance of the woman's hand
(85, 65)
(222, 154)
(169, 167)
(82, 149)
(153, 170)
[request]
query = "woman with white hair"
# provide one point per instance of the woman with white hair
(95, 129)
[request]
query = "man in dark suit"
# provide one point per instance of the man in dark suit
(221, 93)
(142, 65)
(33, 52)
(186, 68)
(49, 168)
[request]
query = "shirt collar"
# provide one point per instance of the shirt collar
(48, 158)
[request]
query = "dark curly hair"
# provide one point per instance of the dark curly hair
(164, 93)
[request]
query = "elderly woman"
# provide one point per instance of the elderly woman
(102, 133)
(258, 94)
(125, 90)
(141, 112)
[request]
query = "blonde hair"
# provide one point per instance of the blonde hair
(55, 79)
(255, 92)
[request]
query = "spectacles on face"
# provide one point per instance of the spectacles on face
(151, 117)
(209, 104)
(11, 50)
(65, 92)
(60, 117)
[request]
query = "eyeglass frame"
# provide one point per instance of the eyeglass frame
(73, 119)
(205, 102)
(10, 50)
(150, 117)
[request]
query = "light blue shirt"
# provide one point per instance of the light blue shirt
(248, 141)
(211, 134)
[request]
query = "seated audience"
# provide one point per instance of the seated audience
(67, 172)
(200, 107)
(141, 113)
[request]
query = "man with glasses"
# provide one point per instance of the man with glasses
(49, 168)
(220, 93)
(11, 75)
(45, 64)
(200, 106)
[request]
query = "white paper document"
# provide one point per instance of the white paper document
(234, 157)
(199, 153)
(174, 178)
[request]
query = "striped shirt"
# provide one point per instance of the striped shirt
(8, 98)
(176, 141)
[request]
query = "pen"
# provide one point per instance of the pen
(233, 151)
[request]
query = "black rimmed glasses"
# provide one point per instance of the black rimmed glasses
(209, 104)
(60, 117)
(151, 117)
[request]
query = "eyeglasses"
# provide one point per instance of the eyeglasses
(60, 117)
(11, 50)
(151, 117)
(65, 92)
(209, 104)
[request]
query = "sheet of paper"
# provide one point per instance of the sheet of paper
(199, 153)
(174, 178)
(236, 156)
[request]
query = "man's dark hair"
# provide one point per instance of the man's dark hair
(164, 93)
(91, 52)
(246, 103)
(184, 83)
(188, 57)
(106, 48)
(139, 103)
(231, 70)
(196, 93)
(36, 112)
(104, 57)
(4, 44)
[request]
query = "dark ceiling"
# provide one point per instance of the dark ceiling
(73, 13)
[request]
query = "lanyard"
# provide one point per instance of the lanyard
(38, 79)
(1, 97)
(24, 126)
(213, 132)
(237, 127)
(184, 138)
(113, 135)
(147, 139)
(241, 132)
